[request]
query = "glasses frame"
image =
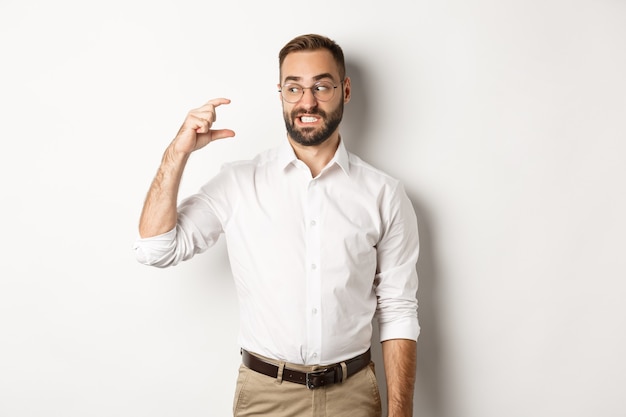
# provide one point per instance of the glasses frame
(280, 90)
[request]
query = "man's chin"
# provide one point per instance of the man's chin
(309, 142)
(307, 137)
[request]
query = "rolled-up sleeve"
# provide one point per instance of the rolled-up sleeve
(194, 233)
(199, 225)
(396, 277)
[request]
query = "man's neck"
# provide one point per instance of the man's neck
(316, 157)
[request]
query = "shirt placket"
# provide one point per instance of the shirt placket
(313, 272)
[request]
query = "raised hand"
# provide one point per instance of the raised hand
(159, 211)
(196, 132)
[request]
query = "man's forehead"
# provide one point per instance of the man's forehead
(313, 65)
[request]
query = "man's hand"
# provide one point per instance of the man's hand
(196, 133)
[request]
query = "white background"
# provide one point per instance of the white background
(506, 121)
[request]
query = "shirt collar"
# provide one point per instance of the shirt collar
(342, 158)
(286, 156)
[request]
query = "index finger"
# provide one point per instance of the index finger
(215, 102)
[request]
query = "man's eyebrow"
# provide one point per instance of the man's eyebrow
(315, 78)
(322, 76)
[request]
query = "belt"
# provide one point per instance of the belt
(329, 375)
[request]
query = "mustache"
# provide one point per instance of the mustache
(295, 113)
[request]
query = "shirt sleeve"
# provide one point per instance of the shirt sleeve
(201, 219)
(396, 278)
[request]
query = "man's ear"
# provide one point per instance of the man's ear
(347, 89)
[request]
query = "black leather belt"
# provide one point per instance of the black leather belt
(330, 374)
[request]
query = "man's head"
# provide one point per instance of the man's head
(314, 88)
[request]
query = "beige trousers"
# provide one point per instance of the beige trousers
(261, 395)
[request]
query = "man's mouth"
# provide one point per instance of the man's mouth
(308, 119)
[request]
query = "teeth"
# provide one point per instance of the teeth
(308, 119)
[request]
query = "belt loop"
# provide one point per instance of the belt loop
(344, 372)
(279, 375)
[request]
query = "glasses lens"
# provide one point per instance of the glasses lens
(292, 92)
(323, 91)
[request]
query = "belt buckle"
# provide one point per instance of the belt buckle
(310, 376)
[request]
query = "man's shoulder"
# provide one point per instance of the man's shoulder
(368, 171)
(263, 158)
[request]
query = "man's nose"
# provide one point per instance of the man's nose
(308, 99)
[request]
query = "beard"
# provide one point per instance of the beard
(311, 136)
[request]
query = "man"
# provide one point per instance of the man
(319, 242)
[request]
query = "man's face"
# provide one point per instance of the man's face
(311, 121)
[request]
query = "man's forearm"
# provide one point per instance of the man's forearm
(159, 211)
(400, 360)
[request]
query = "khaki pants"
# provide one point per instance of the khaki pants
(261, 395)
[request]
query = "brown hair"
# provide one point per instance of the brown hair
(314, 42)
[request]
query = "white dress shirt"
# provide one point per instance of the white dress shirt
(313, 259)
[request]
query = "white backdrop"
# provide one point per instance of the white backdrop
(505, 120)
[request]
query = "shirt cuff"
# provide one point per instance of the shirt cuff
(404, 328)
(151, 250)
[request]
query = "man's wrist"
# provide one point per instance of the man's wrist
(400, 412)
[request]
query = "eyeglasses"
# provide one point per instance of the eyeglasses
(322, 91)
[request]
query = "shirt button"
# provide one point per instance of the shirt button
(313, 223)
(313, 266)
(314, 354)
(314, 311)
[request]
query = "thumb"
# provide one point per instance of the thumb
(221, 134)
